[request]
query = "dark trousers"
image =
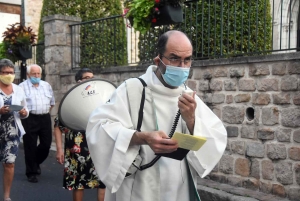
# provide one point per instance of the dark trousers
(36, 126)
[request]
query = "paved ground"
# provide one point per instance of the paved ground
(49, 187)
(50, 181)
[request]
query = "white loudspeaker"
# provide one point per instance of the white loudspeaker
(79, 102)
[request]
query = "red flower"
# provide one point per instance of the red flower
(156, 9)
(125, 11)
(76, 149)
(153, 20)
(157, 1)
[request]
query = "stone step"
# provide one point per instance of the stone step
(213, 191)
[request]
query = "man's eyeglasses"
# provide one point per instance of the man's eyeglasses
(7, 73)
(175, 61)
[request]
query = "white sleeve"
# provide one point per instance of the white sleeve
(208, 125)
(109, 132)
(23, 102)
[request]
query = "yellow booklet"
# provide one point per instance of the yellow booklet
(189, 142)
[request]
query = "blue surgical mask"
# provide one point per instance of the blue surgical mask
(175, 76)
(35, 80)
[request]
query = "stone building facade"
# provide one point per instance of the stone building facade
(257, 98)
(32, 12)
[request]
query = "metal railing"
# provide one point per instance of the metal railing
(37, 54)
(99, 42)
(217, 29)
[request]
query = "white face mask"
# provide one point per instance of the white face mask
(7, 79)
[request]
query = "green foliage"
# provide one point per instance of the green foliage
(103, 43)
(141, 13)
(10, 52)
(148, 41)
(234, 28)
(2, 51)
(216, 30)
(86, 10)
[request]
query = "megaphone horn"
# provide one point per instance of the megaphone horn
(80, 101)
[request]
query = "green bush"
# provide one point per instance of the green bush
(216, 30)
(246, 28)
(2, 51)
(103, 43)
(90, 40)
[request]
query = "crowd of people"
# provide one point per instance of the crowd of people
(25, 115)
(125, 152)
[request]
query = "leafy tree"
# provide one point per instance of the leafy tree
(220, 28)
(90, 40)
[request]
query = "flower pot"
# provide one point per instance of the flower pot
(168, 15)
(25, 53)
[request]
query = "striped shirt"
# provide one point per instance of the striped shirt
(39, 99)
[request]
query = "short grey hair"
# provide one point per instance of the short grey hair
(6, 63)
(32, 65)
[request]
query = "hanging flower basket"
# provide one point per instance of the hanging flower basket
(143, 14)
(18, 41)
(168, 15)
(25, 53)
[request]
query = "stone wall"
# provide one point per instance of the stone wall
(257, 98)
(57, 54)
(33, 14)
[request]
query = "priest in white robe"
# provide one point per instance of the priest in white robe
(119, 150)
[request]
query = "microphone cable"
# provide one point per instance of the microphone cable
(143, 167)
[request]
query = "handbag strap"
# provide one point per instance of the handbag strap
(141, 113)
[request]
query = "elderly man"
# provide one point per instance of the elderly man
(40, 100)
(122, 153)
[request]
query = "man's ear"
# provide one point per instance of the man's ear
(156, 60)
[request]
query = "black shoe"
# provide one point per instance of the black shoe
(38, 171)
(32, 179)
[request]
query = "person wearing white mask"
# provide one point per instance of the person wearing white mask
(125, 136)
(12, 109)
(40, 100)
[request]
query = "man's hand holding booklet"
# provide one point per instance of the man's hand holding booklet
(189, 142)
(186, 143)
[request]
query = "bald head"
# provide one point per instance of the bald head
(173, 37)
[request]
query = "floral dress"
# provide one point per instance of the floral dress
(79, 170)
(9, 135)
